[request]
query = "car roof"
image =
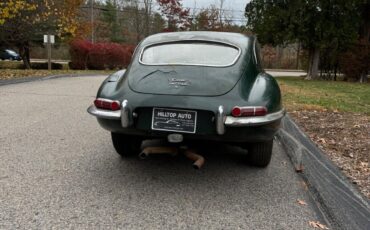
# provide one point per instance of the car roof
(236, 39)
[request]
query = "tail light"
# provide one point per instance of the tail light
(249, 111)
(107, 104)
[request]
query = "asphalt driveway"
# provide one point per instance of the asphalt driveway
(58, 169)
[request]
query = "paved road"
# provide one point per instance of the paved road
(58, 169)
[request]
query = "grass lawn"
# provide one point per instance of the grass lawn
(300, 94)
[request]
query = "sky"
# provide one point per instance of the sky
(236, 7)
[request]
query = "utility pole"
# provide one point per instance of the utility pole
(49, 52)
(92, 20)
(49, 40)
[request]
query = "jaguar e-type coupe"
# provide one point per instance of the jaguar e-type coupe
(192, 87)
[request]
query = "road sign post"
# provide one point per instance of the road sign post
(49, 40)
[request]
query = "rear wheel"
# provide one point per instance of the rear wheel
(126, 145)
(259, 154)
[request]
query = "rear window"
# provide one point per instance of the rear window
(205, 54)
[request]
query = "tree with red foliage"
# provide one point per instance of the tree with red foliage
(99, 56)
(79, 51)
(177, 16)
(208, 19)
(108, 56)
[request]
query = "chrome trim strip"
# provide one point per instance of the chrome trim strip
(125, 119)
(254, 121)
(254, 50)
(184, 64)
(220, 119)
(102, 113)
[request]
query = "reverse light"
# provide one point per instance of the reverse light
(248, 111)
(107, 104)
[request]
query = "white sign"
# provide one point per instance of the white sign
(51, 39)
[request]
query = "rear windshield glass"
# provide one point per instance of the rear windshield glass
(207, 54)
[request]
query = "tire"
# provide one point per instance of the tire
(259, 154)
(126, 145)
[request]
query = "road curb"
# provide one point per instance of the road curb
(38, 78)
(342, 204)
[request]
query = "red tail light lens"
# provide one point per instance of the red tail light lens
(107, 104)
(236, 112)
(249, 111)
(260, 111)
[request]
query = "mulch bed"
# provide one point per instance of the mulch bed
(345, 137)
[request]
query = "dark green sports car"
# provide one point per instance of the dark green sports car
(192, 87)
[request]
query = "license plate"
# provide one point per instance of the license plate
(183, 121)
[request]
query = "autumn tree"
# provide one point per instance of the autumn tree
(23, 22)
(177, 16)
(68, 18)
(208, 19)
(315, 24)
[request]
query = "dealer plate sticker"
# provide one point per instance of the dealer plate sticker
(183, 121)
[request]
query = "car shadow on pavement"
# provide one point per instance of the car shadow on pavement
(224, 166)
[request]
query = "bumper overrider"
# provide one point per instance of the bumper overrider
(124, 114)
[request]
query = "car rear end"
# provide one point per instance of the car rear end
(186, 90)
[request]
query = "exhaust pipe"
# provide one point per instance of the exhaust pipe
(157, 150)
(198, 159)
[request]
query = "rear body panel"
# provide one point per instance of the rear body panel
(183, 80)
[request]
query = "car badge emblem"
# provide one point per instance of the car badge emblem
(178, 82)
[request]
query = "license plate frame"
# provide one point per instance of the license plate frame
(174, 120)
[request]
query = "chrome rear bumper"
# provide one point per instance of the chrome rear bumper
(254, 121)
(221, 119)
(123, 114)
(105, 114)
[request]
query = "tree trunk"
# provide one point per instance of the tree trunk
(24, 52)
(363, 77)
(298, 53)
(279, 57)
(313, 65)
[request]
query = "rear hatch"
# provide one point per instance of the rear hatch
(186, 68)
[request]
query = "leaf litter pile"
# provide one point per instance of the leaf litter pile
(345, 137)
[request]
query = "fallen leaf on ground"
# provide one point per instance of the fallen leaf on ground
(301, 202)
(305, 186)
(322, 140)
(364, 164)
(317, 224)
